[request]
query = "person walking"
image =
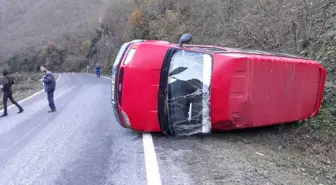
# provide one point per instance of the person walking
(98, 70)
(49, 83)
(6, 86)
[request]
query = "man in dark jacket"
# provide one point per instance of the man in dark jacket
(7, 93)
(49, 87)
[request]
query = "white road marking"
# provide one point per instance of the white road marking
(106, 77)
(92, 74)
(152, 167)
(30, 97)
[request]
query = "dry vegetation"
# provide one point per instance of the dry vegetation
(303, 27)
(26, 84)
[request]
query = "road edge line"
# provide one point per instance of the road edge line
(152, 167)
(30, 97)
(92, 74)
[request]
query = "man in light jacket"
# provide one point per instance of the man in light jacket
(49, 87)
(6, 86)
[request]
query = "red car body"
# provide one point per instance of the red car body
(234, 88)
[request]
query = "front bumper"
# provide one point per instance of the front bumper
(116, 114)
(115, 75)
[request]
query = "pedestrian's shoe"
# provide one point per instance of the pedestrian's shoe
(4, 115)
(52, 111)
(21, 111)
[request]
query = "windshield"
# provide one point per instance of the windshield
(188, 100)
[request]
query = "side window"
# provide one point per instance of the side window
(130, 55)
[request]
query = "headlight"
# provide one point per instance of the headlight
(126, 119)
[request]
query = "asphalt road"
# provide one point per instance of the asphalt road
(81, 144)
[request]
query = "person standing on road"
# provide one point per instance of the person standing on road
(98, 70)
(49, 83)
(6, 86)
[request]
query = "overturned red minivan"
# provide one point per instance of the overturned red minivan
(184, 89)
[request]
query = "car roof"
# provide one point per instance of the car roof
(211, 49)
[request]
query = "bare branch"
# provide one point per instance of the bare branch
(252, 36)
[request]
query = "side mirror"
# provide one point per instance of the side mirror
(186, 38)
